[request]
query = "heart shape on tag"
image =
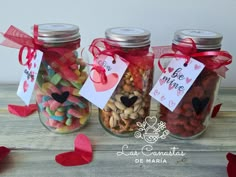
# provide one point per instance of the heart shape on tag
(163, 98)
(171, 103)
(25, 86)
(196, 67)
(112, 80)
(199, 105)
(180, 92)
(162, 81)
(128, 101)
(188, 80)
(170, 69)
(81, 155)
(60, 98)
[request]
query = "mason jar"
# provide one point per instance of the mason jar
(61, 75)
(130, 102)
(192, 115)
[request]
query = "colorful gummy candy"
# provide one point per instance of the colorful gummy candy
(61, 108)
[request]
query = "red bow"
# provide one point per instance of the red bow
(60, 59)
(213, 60)
(141, 58)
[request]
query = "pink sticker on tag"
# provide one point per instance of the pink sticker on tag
(28, 78)
(174, 84)
(98, 92)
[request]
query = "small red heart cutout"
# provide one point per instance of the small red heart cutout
(22, 111)
(231, 170)
(4, 151)
(112, 80)
(170, 69)
(81, 155)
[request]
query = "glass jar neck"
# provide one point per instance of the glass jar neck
(139, 51)
(72, 45)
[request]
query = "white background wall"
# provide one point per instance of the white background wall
(160, 17)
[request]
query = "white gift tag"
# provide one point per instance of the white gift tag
(97, 92)
(28, 78)
(174, 84)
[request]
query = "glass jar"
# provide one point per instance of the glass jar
(61, 75)
(191, 117)
(130, 102)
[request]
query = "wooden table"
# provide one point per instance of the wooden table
(33, 148)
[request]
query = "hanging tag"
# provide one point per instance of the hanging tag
(174, 84)
(28, 78)
(99, 93)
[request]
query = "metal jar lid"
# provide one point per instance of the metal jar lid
(56, 33)
(204, 39)
(129, 37)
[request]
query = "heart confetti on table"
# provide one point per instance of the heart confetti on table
(81, 155)
(231, 165)
(216, 109)
(4, 151)
(22, 111)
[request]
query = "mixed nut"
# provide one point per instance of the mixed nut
(128, 104)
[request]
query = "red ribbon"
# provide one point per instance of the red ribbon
(102, 73)
(140, 58)
(59, 58)
(187, 49)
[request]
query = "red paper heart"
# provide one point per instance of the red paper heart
(231, 165)
(81, 155)
(112, 80)
(4, 151)
(216, 109)
(22, 111)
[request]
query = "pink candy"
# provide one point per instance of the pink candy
(74, 113)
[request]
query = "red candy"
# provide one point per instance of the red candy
(190, 117)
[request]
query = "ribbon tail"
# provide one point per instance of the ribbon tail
(222, 71)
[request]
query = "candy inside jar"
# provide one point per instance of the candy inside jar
(192, 115)
(130, 102)
(61, 75)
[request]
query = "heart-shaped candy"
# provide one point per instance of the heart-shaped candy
(81, 155)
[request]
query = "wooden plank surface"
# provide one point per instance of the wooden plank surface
(34, 148)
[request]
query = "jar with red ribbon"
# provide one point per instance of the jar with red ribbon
(130, 102)
(192, 115)
(61, 75)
